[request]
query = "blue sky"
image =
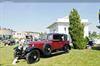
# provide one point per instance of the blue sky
(37, 16)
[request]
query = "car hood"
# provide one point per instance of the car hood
(38, 44)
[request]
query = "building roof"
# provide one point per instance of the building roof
(66, 20)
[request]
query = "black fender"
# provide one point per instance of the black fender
(33, 48)
(46, 45)
(44, 53)
(29, 49)
(69, 47)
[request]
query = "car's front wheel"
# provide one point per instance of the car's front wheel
(33, 56)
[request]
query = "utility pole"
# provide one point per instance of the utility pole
(99, 19)
(99, 15)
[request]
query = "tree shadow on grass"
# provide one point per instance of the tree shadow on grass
(1, 64)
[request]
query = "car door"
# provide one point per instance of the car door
(57, 41)
(62, 41)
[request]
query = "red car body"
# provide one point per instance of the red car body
(53, 44)
(56, 41)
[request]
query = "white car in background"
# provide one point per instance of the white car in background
(96, 41)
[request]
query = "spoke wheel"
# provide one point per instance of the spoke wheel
(33, 56)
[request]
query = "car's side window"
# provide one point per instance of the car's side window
(49, 37)
(57, 37)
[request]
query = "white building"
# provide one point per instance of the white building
(6, 31)
(61, 26)
(22, 35)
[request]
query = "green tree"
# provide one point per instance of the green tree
(76, 30)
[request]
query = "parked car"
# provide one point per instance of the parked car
(54, 42)
(9, 42)
(96, 41)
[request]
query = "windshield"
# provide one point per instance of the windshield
(43, 37)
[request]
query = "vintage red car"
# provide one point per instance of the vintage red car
(54, 42)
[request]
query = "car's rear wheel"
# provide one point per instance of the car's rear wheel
(66, 48)
(33, 56)
(47, 50)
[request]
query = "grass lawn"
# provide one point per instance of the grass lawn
(73, 58)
